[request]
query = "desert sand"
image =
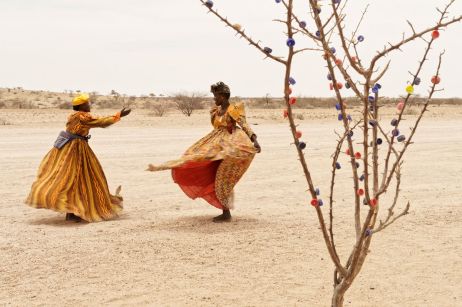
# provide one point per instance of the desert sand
(165, 251)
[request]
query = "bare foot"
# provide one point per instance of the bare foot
(225, 217)
(73, 217)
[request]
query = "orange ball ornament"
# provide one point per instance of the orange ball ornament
(292, 100)
(298, 134)
(435, 34)
(436, 80)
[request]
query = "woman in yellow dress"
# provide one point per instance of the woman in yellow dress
(211, 167)
(70, 178)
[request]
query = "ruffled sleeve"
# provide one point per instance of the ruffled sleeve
(237, 112)
(102, 122)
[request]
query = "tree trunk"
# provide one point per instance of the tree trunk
(339, 293)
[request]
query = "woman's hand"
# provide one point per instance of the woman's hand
(253, 138)
(125, 112)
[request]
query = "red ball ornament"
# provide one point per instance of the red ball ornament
(358, 155)
(338, 62)
(435, 34)
(373, 202)
(400, 106)
(436, 80)
(298, 134)
(360, 192)
(314, 202)
(292, 100)
(347, 151)
(285, 113)
(339, 85)
(354, 59)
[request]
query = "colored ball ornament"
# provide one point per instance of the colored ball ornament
(292, 100)
(354, 59)
(368, 232)
(278, 1)
(302, 24)
(360, 192)
(373, 122)
(285, 113)
(357, 155)
(401, 138)
(333, 50)
(360, 38)
(362, 177)
(329, 77)
(378, 85)
(317, 191)
(267, 50)
(314, 202)
(337, 1)
(292, 81)
(340, 117)
(298, 134)
(357, 165)
(435, 34)
(237, 27)
(289, 91)
(338, 62)
(338, 107)
(350, 133)
(290, 42)
(331, 86)
(302, 145)
(375, 90)
(373, 202)
(339, 85)
(379, 141)
(209, 4)
(337, 165)
(436, 80)
(318, 34)
(347, 151)
(410, 89)
(347, 85)
(371, 98)
(349, 117)
(320, 202)
(417, 81)
(395, 132)
(400, 106)
(394, 122)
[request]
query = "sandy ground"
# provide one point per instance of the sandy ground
(165, 251)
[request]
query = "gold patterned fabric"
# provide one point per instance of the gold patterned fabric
(212, 166)
(71, 179)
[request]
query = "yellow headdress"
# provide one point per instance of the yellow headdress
(81, 99)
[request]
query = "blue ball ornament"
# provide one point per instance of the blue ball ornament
(379, 141)
(329, 77)
(375, 90)
(278, 1)
(267, 50)
(302, 145)
(357, 165)
(292, 81)
(362, 177)
(373, 122)
(401, 138)
(318, 34)
(320, 202)
(302, 24)
(347, 85)
(417, 81)
(333, 50)
(337, 165)
(360, 38)
(395, 132)
(340, 117)
(337, 1)
(317, 191)
(290, 42)
(349, 117)
(394, 122)
(350, 134)
(371, 98)
(338, 107)
(377, 85)
(209, 4)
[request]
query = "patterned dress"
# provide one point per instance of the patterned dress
(211, 167)
(71, 180)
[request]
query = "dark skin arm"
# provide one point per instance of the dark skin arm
(125, 111)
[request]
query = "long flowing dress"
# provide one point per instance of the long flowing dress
(211, 167)
(71, 179)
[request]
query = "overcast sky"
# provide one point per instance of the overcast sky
(157, 46)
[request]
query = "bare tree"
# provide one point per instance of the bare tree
(379, 169)
(188, 103)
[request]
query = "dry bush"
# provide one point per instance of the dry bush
(159, 108)
(188, 103)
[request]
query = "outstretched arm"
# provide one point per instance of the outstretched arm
(103, 122)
